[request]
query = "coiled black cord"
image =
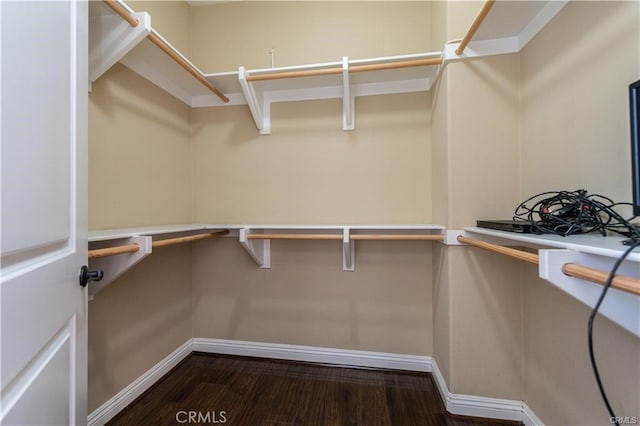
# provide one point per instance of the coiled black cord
(574, 212)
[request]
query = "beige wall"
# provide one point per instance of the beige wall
(575, 107)
(575, 134)
(139, 154)
(233, 34)
(483, 135)
(138, 320)
(475, 133)
(311, 171)
(306, 298)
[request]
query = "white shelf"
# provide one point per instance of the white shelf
(590, 250)
(112, 39)
(596, 244)
(259, 95)
(260, 249)
(114, 234)
(507, 28)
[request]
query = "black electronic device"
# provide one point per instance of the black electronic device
(519, 226)
(634, 110)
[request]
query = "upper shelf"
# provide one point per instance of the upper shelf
(345, 79)
(118, 34)
(503, 27)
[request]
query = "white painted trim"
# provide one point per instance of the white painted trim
(529, 418)
(344, 357)
(126, 396)
(478, 406)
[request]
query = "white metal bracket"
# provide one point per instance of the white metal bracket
(260, 251)
(348, 99)
(620, 307)
(348, 252)
(111, 38)
(115, 266)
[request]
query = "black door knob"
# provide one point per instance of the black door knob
(86, 275)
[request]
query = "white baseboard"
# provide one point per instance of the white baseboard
(466, 405)
(529, 418)
(126, 396)
(344, 357)
(479, 406)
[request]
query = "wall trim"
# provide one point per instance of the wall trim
(466, 405)
(529, 418)
(479, 406)
(342, 357)
(126, 396)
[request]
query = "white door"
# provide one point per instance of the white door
(43, 318)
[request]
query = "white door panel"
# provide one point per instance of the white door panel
(39, 200)
(43, 309)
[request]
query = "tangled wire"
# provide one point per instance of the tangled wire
(568, 213)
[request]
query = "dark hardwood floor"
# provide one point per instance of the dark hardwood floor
(231, 390)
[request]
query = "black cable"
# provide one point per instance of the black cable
(574, 212)
(594, 312)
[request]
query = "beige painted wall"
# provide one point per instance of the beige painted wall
(575, 134)
(233, 34)
(475, 135)
(575, 111)
(311, 171)
(138, 320)
(306, 298)
(139, 154)
(486, 324)
(483, 134)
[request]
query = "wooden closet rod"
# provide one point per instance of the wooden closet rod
(340, 236)
(397, 237)
(112, 251)
(338, 70)
(295, 236)
(516, 254)
(484, 10)
(621, 282)
(188, 239)
(159, 41)
(132, 248)
(122, 11)
(156, 39)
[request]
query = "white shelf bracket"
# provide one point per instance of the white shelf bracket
(348, 100)
(348, 252)
(111, 38)
(620, 307)
(114, 266)
(260, 251)
(253, 101)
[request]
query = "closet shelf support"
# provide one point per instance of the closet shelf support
(115, 266)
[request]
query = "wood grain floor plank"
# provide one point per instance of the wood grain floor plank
(241, 391)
